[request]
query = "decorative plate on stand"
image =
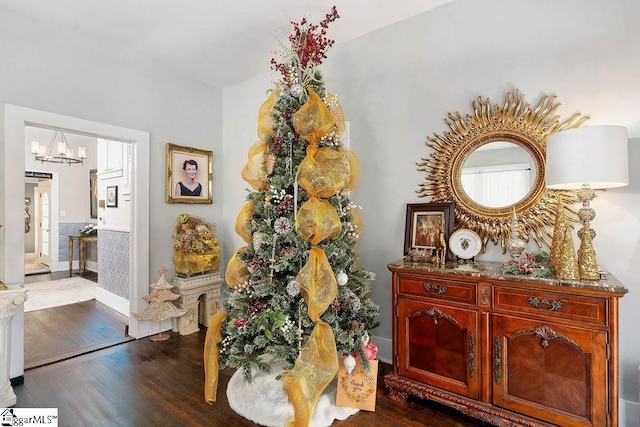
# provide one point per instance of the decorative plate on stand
(465, 244)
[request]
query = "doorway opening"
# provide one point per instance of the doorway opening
(12, 262)
(40, 198)
(62, 283)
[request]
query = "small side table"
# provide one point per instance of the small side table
(82, 251)
(199, 311)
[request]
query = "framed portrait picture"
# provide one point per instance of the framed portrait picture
(93, 193)
(189, 175)
(424, 224)
(112, 196)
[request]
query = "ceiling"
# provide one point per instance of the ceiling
(218, 42)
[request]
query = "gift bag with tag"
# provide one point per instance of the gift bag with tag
(358, 388)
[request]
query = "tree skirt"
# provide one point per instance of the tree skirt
(265, 402)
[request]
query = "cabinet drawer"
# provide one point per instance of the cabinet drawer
(445, 290)
(563, 306)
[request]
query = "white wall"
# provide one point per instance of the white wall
(112, 174)
(240, 131)
(51, 69)
(396, 86)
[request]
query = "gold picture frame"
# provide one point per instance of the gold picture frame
(181, 188)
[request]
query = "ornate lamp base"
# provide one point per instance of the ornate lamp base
(587, 263)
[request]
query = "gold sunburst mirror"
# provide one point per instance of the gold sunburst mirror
(520, 132)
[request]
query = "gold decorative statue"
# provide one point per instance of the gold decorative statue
(441, 249)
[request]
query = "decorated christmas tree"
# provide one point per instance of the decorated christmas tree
(297, 293)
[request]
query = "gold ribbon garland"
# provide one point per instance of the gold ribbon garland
(325, 174)
(315, 367)
(211, 355)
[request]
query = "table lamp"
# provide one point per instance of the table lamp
(587, 159)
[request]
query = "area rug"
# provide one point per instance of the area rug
(32, 265)
(265, 402)
(55, 293)
(31, 269)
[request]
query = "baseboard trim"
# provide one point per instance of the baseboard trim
(385, 346)
(64, 266)
(113, 301)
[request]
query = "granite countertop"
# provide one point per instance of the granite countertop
(492, 270)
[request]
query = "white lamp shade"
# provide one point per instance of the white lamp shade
(593, 155)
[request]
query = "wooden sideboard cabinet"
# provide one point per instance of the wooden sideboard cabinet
(508, 350)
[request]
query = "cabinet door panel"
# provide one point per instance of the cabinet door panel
(437, 345)
(550, 370)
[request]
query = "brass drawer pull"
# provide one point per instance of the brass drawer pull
(434, 289)
(553, 305)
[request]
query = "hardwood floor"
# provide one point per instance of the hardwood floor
(59, 333)
(145, 383)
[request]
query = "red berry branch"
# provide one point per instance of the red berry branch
(309, 42)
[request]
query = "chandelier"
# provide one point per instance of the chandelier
(58, 150)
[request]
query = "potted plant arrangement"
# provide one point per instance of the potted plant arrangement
(89, 230)
(534, 264)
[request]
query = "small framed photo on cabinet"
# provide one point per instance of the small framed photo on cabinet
(425, 222)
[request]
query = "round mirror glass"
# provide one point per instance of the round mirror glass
(498, 174)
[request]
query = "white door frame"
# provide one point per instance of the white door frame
(13, 149)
